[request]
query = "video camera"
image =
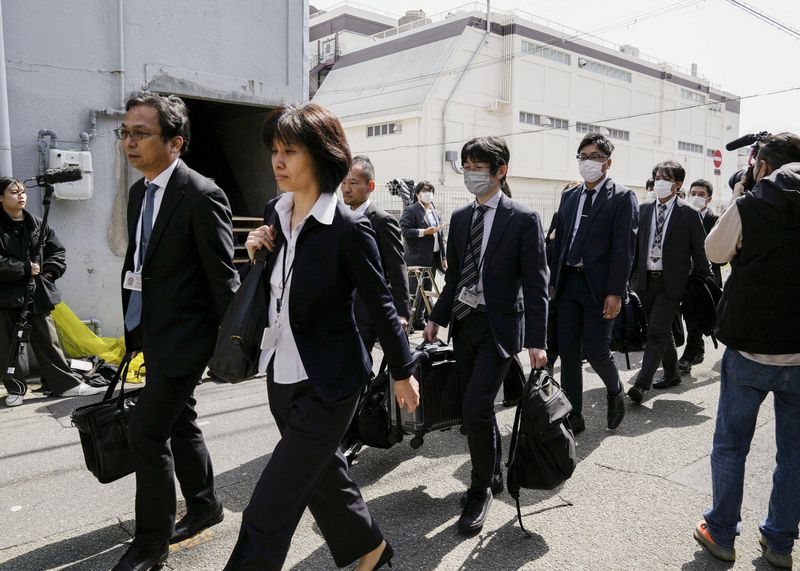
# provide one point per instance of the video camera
(745, 176)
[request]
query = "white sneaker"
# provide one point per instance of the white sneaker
(82, 390)
(14, 400)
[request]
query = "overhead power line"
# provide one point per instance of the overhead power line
(774, 22)
(632, 20)
(599, 121)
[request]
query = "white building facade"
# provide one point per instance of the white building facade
(418, 92)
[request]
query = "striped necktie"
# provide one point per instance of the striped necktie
(133, 314)
(661, 217)
(469, 272)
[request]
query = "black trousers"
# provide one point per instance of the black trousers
(695, 345)
(481, 370)
(46, 347)
(167, 443)
(306, 469)
(660, 346)
(583, 331)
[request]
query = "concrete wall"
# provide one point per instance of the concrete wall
(63, 60)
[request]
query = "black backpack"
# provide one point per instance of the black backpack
(542, 451)
(630, 327)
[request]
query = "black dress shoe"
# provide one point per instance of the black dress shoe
(576, 423)
(139, 558)
(386, 557)
(508, 403)
(637, 394)
(616, 409)
(476, 509)
(496, 486)
(684, 366)
(667, 383)
(192, 524)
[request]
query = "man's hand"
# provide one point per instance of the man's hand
(406, 391)
(403, 323)
(261, 237)
(738, 190)
(538, 358)
(35, 269)
(430, 231)
(430, 332)
(611, 306)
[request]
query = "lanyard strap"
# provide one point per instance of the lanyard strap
(284, 277)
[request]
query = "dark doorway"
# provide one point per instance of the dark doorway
(226, 146)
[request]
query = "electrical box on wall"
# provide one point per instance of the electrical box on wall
(79, 189)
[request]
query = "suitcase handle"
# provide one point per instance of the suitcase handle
(122, 373)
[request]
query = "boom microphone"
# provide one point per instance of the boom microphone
(746, 140)
(56, 176)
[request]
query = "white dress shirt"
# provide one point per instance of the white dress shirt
(363, 208)
(579, 214)
(288, 367)
(488, 220)
(433, 222)
(161, 180)
(658, 265)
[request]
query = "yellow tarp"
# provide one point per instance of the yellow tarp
(80, 341)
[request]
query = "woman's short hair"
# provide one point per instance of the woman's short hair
(7, 182)
(673, 169)
(318, 130)
(424, 185)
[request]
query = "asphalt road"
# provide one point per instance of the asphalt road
(635, 496)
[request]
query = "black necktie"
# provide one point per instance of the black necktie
(574, 257)
(469, 272)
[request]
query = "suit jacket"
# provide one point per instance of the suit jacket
(709, 221)
(608, 249)
(683, 247)
(390, 248)
(419, 251)
(514, 276)
(188, 278)
(330, 263)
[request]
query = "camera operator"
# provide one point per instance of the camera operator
(19, 270)
(758, 320)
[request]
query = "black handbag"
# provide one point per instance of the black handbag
(103, 428)
(238, 345)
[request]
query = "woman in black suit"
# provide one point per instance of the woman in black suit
(315, 361)
(423, 238)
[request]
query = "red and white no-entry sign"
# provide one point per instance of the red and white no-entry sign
(717, 159)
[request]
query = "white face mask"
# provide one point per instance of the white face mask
(591, 171)
(651, 195)
(663, 189)
(477, 182)
(426, 197)
(698, 202)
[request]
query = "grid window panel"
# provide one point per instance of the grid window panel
(609, 71)
(690, 147)
(384, 129)
(619, 134)
(546, 53)
(529, 118)
(693, 96)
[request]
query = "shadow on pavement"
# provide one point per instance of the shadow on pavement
(98, 549)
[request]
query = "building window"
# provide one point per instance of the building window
(690, 147)
(607, 70)
(384, 129)
(612, 133)
(546, 53)
(710, 152)
(542, 120)
(693, 96)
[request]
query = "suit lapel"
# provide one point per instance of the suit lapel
(646, 227)
(501, 221)
(602, 196)
(135, 199)
(677, 212)
(571, 211)
(172, 197)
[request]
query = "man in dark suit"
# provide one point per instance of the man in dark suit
(494, 303)
(670, 244)
(423, 238)
(700, 193)
(178, 278)
(593, 256)
(357, 188)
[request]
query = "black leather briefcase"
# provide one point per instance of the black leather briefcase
(103, 428)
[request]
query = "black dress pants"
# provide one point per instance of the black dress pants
(481, 370)
(583, 331)
(660, 346)
(695, 345)
(47, 348)
(307, 468)
(167, 443)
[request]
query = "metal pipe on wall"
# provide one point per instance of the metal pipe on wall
(6, 168)
(121, 39)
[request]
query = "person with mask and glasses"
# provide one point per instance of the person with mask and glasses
(494, 303)
(593, 256)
